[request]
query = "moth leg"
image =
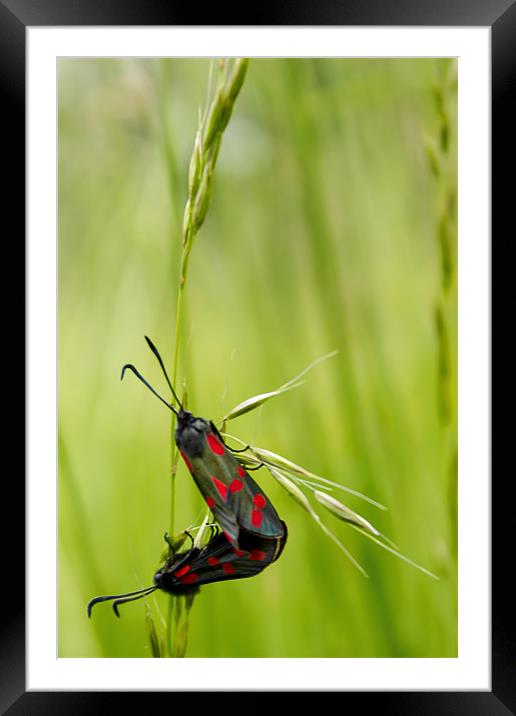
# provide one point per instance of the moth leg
(252, 469)
(248, 447)
(214, 428)
(169, 542)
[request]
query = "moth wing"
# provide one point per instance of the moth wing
(210, 474)
(219, 561)
(255, 554)
(255, 512)
(231, 493)
(241, 493)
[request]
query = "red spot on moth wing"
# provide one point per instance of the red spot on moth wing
(259, 501)
(238, 552)
(210, 502)
(236, 485)
(189, 578)
(256, 518)
(257, 555)
(215, 445)
(187, 461)
(182, 571)
(213, 561)
(241, 471)
(228, 568)
(221, 487)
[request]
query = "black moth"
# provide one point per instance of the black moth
(236, 500)
(184, 572)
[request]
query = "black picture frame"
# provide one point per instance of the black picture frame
(500, 16)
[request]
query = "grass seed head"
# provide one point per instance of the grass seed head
(292, 489)
(237, 78)
(152, 633)
(340, 510)
(195, 170)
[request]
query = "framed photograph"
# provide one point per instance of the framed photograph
(296, 217)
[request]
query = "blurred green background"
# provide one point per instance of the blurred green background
(323, 233)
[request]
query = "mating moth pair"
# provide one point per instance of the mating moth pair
(251, 534)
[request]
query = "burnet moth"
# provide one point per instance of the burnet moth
(234, 498)
(184, 572)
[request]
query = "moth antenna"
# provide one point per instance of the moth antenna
(107, 598)
(156, 353)
(129, 366)
(130, 599)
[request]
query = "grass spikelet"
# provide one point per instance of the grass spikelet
(258, 455)
(344, 513)
(251, 403)
(182, 629)
(155, 643)
(294, 492)
(280, 469)
(271, 458)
